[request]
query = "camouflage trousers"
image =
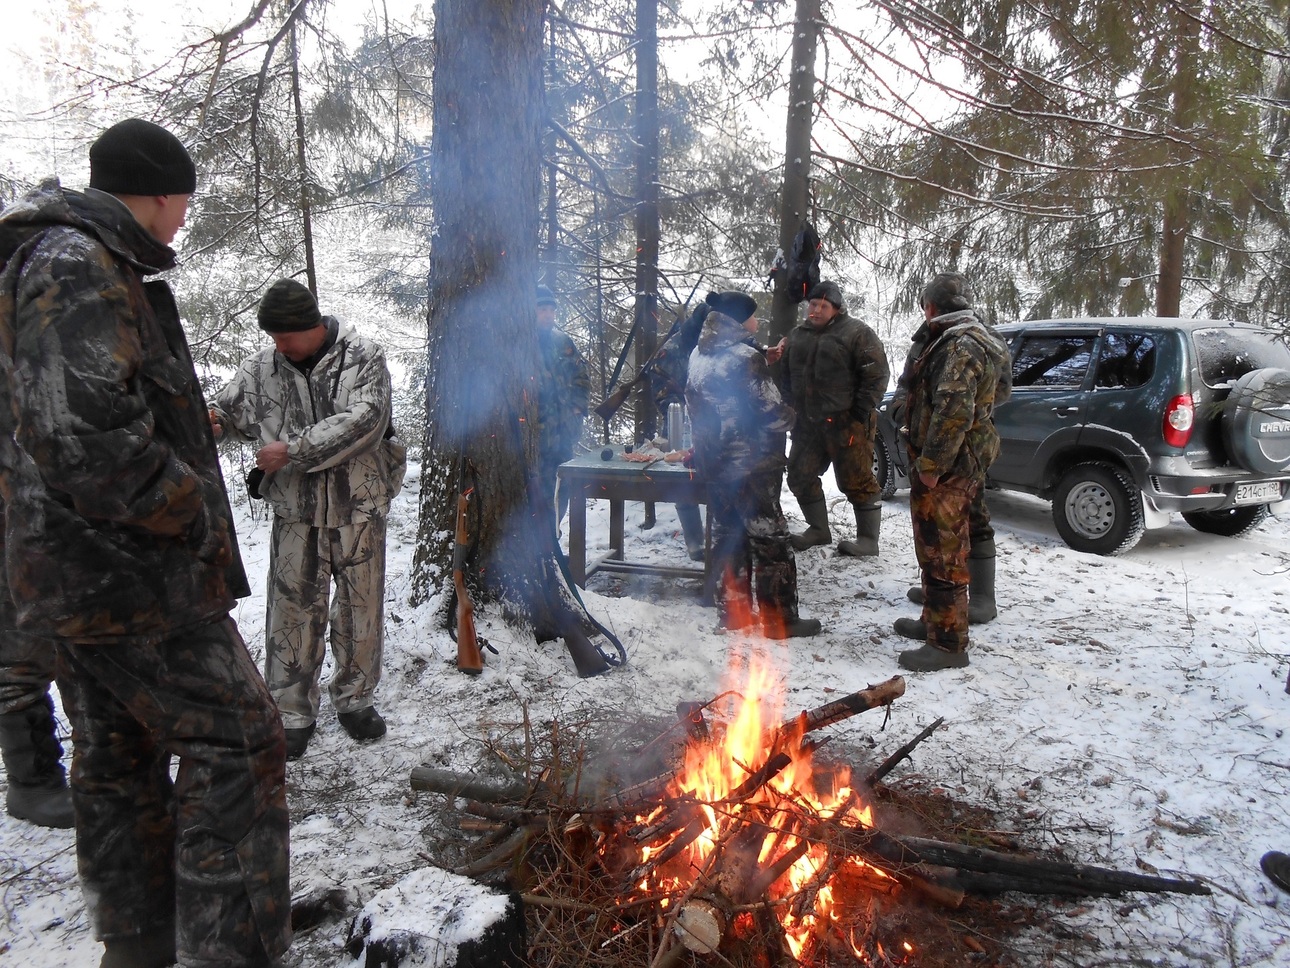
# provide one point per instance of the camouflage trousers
(304, 561)
(26, 668)
(842, 441)
(752, 558)
(206, 853)
(942, 538)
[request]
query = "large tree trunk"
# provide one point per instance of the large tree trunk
(481, 342)
(796, 194)
(1176, 222)
(647, 219)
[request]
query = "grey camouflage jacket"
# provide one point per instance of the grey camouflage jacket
(117, 522)
(737, 415)
(345, 466)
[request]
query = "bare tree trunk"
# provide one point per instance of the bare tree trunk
(481, 373)
(647, 227)
(795, 196)
(306, 210)
(1176, 223)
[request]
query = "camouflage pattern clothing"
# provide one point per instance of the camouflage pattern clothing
(329, 504)
(954, 384)
(26, 661)
(738, 420)
(564, 393)
(835, 376)
(119, 542)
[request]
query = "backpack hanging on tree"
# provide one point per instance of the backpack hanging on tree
(803, 264)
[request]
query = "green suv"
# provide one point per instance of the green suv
(1121, 421)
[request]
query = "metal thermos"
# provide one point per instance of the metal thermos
(675, 425)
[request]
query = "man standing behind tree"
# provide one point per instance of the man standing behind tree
(318, 403)
(954, 385)
(564, 390)
(835, 372)
(120, 546)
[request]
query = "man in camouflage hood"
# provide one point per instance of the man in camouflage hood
(954, 384)
(120, 546)
(738, 420)
(317, 406)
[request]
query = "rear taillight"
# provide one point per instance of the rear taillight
(1180, 417)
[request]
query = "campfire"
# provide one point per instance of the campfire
(726, 838)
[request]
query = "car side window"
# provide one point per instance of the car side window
(1052, 360)
(1126, 360)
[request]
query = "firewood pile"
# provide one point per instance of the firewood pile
(726, 838)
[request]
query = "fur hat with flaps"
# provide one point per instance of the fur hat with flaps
(737, 305)
(830, 291)
(948, 292)
(288, 307)
(137, 157)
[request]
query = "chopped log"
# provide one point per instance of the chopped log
(459, 785)
(883, 694)
(891, 762)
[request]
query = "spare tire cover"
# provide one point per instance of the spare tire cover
(1256, 421)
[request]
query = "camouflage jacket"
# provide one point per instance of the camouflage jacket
(737, 415)
(343, 466)
(117, 521)
(564, 393)
(954, 384)
(834, 369)
(898, 410)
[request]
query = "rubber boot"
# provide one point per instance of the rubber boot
(155, 949)
(796, 628)
(817, 526)
(38, 790)
(868, 525)
(691, 529)
(928, 658)
(981, 605)
(910, 628)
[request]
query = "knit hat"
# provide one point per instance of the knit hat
(545, 297)
(288, 307)
(137, 157)
(827, 290)
(737, 305)
(948, 291)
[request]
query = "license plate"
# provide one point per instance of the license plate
(1265, 492)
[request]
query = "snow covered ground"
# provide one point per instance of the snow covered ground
(1131, 709)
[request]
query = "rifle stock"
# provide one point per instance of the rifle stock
(609, 406)
(469, 659)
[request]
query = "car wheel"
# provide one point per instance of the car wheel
(1097, 509)
(1230, 523)
(883, 470)
(1256, 421)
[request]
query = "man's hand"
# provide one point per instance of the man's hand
(776, 352)
(217, 428)
(272, 457)
(929, 480)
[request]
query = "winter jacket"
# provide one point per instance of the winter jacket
(345, 464)
(954, 385)
(117, 521)
(834, 369)
(898, 408)
(564, 392)
(737, 416)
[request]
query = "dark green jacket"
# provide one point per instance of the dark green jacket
(564, 390)
(117, 521)
(836, 369)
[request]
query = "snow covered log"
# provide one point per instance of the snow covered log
(435, 918)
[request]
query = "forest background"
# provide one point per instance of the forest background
(1098, 157)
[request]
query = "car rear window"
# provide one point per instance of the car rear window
(1227, 354)
(1052, 360)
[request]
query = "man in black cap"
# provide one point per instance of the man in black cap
(564, 389)
(835, 372)
(121, 549)
(317, 406)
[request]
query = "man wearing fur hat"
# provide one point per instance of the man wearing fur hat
(564, 390)
(835, 372)
(317, 405)
(962, 372)
(121, 549)
(738, 420)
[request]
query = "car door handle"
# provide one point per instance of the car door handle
(1063, 411)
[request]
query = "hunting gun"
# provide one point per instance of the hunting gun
(469, 659)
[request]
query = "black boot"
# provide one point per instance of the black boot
(37, 782)
(928, 658)
(691, 529)
(911, 628)
(868, 525)
(981, 606)
(796, 628)
(155, 949)
(817, 526)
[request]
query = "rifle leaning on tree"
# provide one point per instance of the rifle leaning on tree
(470, 659)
